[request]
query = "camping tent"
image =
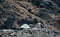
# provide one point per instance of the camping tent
(25, 26)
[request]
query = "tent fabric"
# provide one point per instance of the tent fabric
(25, 26)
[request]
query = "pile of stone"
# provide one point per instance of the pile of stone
(27, 31)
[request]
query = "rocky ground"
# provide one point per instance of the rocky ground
(38, 31)
(31, 32)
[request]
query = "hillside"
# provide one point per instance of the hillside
(14, 13)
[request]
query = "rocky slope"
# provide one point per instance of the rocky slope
(14, 13)
(31, 32)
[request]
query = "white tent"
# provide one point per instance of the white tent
(25, 26)
(39, 24)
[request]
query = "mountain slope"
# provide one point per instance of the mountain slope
(25, 11)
